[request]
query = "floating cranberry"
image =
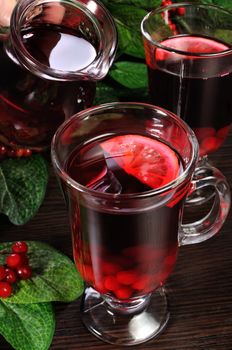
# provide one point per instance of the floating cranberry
(11, 276)
(5, 289)
(127, 277)
(14, 260)
(142, 283)
(24, 272)
(123, 293)
(111, 283)
(19, 247)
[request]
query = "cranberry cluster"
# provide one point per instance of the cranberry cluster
(14, 153)
(16, 267)
(180, 11)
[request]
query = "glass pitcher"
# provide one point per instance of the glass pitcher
(51, 57)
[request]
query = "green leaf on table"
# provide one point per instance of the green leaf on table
(27, 327)
(54, 278)
(132, 75)
(130, 42)
(23, 183)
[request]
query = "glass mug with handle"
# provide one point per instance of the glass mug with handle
(188, 49)
(51, 57)
(125, 170)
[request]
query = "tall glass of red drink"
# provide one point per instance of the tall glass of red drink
(125, 170)
(188, 50)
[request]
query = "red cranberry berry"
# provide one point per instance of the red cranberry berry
(14, 260)
(27, 152)
(5, 289)
(2, 272)
(181, 11)
(19, 247)
(11, 276)
(19, 152)
(24, 272)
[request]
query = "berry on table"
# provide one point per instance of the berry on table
(5, 289)
(24, 272)
(14, 260)
(16, 268)
(10, 276)
(19, 247)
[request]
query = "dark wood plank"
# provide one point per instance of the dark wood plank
(200, 288)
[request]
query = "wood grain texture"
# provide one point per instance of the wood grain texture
(200, 288)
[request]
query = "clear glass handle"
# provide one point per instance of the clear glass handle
(207, 177)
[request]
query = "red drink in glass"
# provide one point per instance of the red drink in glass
(50, 60)
(31, 107)
(132, 253)
(195, 88)
(125, 170)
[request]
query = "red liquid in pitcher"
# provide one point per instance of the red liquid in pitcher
(196, 89)
(125, 253)
(32, 107)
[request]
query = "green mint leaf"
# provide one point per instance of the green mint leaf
(128, 20)
(224, 35)
(22, 187)
(54, 278)
(130, 42)
(27, 327)
(132, 75)
(129, 15)
(107, 92)
(222, 3)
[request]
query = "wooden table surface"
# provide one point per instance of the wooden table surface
(200, 288)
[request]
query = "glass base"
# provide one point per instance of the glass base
(124, 323)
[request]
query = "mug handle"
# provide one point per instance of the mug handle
(207, 176)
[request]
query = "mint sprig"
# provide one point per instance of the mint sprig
(22, 187)
(27, 327)
(132, 75)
